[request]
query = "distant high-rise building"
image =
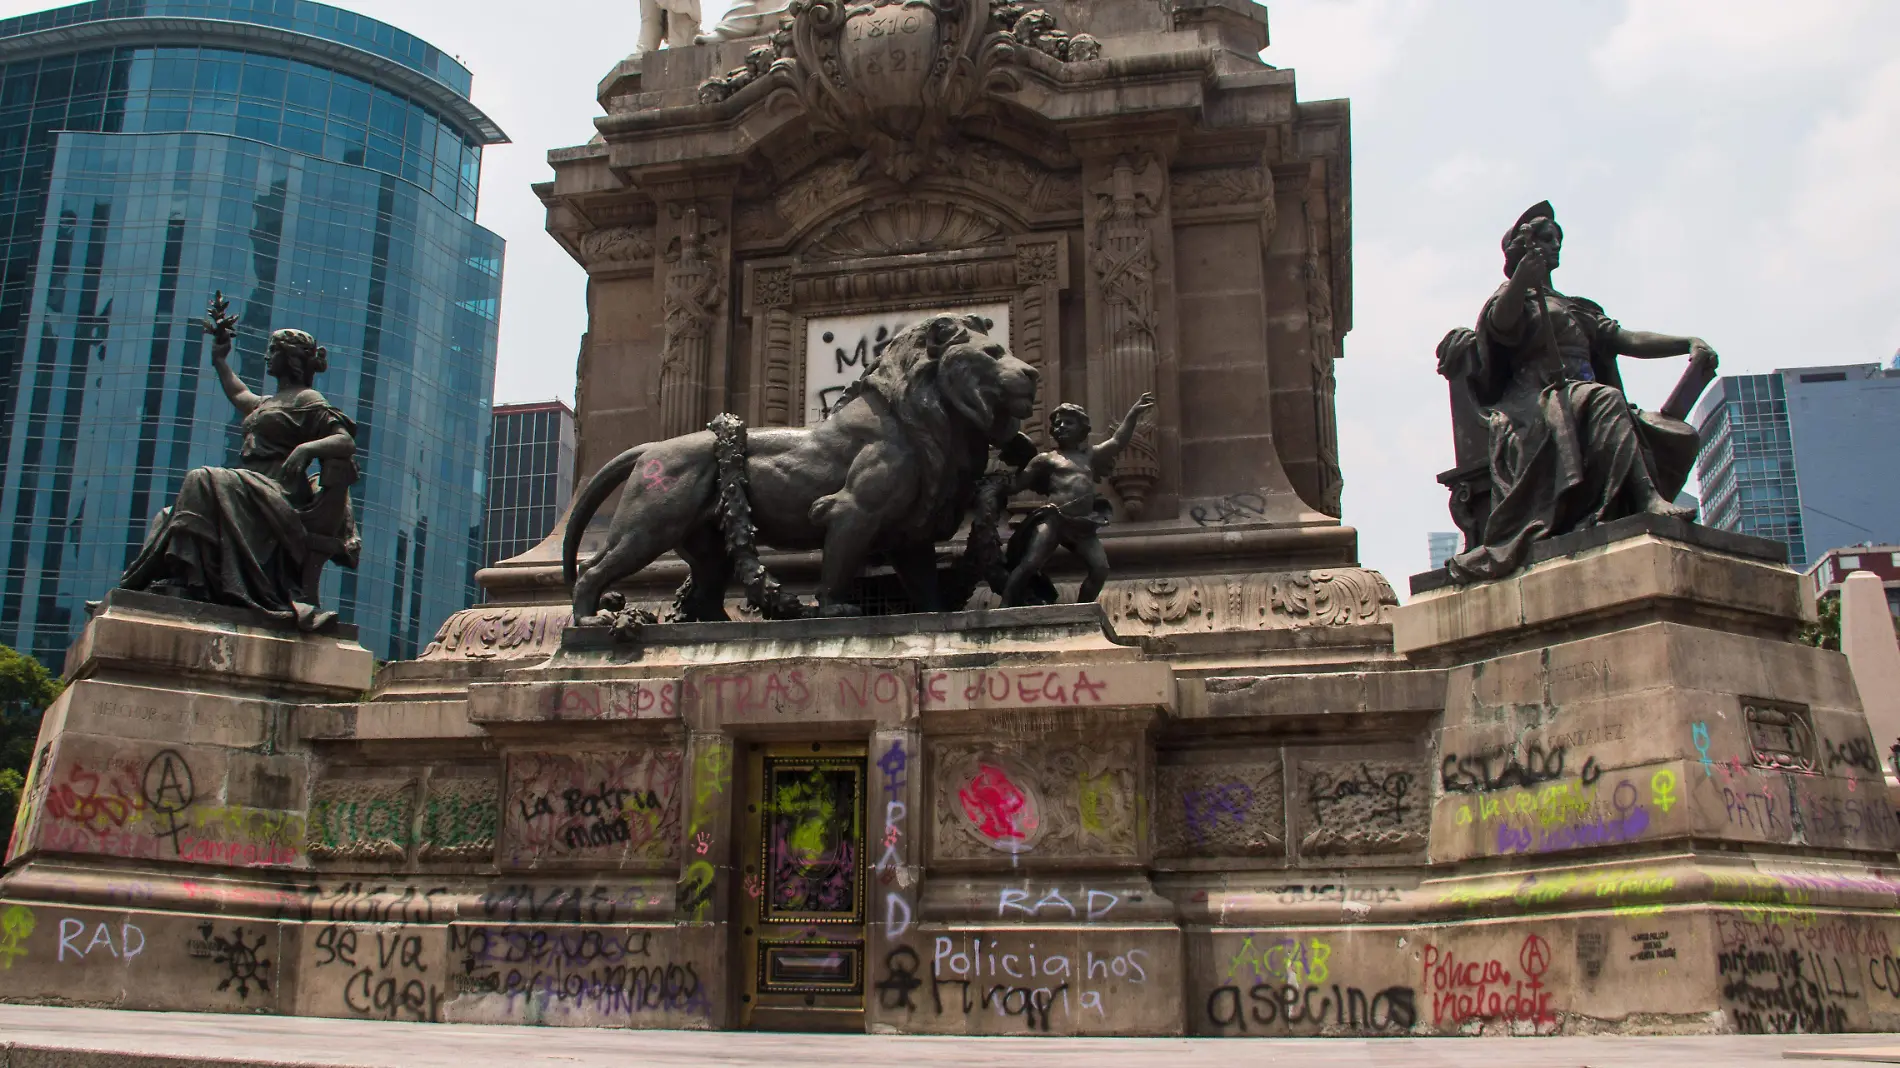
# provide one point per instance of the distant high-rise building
(1444, 545)
(530, 476)
(318, 167)
(1804, 456)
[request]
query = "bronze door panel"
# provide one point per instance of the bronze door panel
(803, 914)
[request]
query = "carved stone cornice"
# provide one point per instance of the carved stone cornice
(1279, 600)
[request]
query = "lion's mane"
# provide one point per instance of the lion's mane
(909, 378)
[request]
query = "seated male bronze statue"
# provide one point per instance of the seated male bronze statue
(1566, 449)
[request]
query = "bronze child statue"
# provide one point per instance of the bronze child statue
(257, 535)
(1066, 475)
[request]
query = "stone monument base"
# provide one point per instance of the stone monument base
(1609, 794)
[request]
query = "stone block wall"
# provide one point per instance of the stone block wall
(1659, 816)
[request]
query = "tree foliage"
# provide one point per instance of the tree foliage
(26, 689)
(1825, 632)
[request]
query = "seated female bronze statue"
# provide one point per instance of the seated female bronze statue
(1568, 450)
(257, 535)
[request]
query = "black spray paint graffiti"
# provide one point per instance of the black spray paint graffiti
(389, 979)
(1388, 794)
(1030, 1003)
(858, 358)
(563, 904)
(1784, 991)
(604, 972)
(1391, 1009)
(380, 903)
(1233, 508)
(1855, 753)
(238, 956)
(900, 969)
(168, 791)
(1475, 775)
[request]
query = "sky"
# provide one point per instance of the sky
(1728, 169)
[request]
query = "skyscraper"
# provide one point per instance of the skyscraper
(1804, 456)
(1443, 545)
(318, 167)
(530, 475)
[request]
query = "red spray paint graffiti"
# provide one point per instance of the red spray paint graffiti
(998, 807)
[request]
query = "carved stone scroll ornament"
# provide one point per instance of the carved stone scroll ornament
(1280, 600)
(1124, 262)
(521, 633)
(1213, 187)
(695, 290)
(616, 245)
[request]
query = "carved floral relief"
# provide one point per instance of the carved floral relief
(1280, 600)
(500, 633)
(1046, 799)
(1229, 809)
(1362, 806)
(617, 245)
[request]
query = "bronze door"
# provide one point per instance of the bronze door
(802, 873)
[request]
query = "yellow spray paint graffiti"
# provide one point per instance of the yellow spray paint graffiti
(16, 926)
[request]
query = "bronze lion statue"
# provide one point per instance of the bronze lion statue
(891, 472)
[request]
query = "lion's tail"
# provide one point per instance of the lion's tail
(588, 501)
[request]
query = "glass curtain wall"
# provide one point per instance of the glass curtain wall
(134, 182)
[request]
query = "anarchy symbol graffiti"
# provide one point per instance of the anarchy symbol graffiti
(1534, 957)
(168, 791)
(240, 959)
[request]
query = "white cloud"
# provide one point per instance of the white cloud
(1394, 418)
(1729, 41)
(1472, 174)
(1341, 47)
(1844, 217)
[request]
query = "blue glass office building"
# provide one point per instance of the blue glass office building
(1804, 456)
(1746, 466)
(318, 167)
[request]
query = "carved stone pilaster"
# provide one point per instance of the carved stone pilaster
(1323, 336)
(1042, 273)
(1126, 211)
(693, 305)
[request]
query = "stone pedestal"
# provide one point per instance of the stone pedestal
(1611, 793)
(1867, 639)
(1651, 805)
(170, 783)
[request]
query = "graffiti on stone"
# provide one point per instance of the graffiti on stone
(1055, 798)
(599, 807)
(1220, 810)
(1363, 806)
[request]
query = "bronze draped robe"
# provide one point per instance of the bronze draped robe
(1565, 441)
(238, 536)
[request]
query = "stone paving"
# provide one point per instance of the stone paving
(38, 1037)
